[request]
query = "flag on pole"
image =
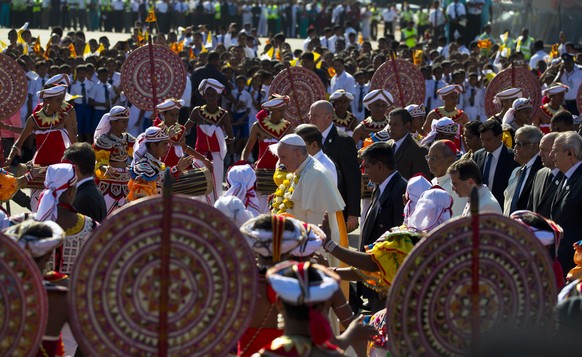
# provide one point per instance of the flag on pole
(151, 16)
(47, 49)
(36, 47)
(73, 51)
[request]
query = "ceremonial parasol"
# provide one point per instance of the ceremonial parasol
(23, 301)
(430, 302)
(513, 77)
(304, 88)
(163, 276)
(13, 86)
(402, 79)
(145, 85)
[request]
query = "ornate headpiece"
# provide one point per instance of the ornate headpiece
(376, 95)
(341, 93)
(276, 101)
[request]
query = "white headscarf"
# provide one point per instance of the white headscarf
(432, 209)
(414, 189)
(443, 125)
(242, 179)
(312, 243)
(518, 104)
(233, 208)
(59, 178)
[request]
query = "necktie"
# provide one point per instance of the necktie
(83, 93)
(522, 173)
(111, 81)
(436, 88)
(107, 104)
(487, 169)
(472, 98)
(367, 225)
(456, 12)
(42, 82)
(361, 100)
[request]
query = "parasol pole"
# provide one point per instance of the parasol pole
(398, 84)
(165, 264)
(153, 70)
(294, 93)
(512, 74)
(475, 313)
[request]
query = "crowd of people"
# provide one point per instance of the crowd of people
(358, 160)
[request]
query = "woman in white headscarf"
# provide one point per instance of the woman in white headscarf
(55, 204)
(415, 187)
(239, 202)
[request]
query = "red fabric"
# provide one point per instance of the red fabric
(171, 159)
(265, 336)
(50, 148)
(267, 160)
(205, 143)
(52, 348)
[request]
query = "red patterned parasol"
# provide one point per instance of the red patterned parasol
(513, 77)
(304, 88)
(13, 87)
(115, 299)
(23, 301)
(136, 78)
(402, 79)
(429, 304)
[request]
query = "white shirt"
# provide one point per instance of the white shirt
(477, 110)
(360, 115)
(325, 133)
(538, 56)
(245, 98)
(77, 89)
(97, 93)
(475, 10)
(117, 5)
(187, 95)
(514, 179)
(343, 81)
(399, 142)
(328, 164)
(79, 183)
(383, 185)
(487, 202)
(436, 17)
(181, 7)
(456, 9)
(571, 170)
(494, 161)
(162, 7)
(389, 15)
(572, 80)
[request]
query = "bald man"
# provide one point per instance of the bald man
(440, 157)
(341, 149)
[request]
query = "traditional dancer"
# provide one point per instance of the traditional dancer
(450, 96)
(149, 149)
(555, 93)
(54, 130)
(505, 98)
(377, 102)
(210, 120)
(343, 119)
(418, 113)
(113, 147)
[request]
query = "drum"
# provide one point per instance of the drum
(265, 183)
(195, 182)
(366, 189)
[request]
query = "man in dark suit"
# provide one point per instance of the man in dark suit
(495, 160)
(210, 70)
(387, 206)
(567, 203)
(526, 153)
(88, 201)
(409, 156)
(546, 180)
(341, 149)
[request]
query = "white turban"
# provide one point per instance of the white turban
(298, 289)
(416, 110)
(443, 125)
(169, 104)
(446, 90)
(51, 92)
(234, 209)
(510, 93)
(341, 93)
(432, 209)
(518, 104)
(555, 89)
(37, 246)
(276, 101)
(116, 113)
(311, 244)
(58, 179)
(150, 135)
(59, 79)
(376, 95)
(210, 83)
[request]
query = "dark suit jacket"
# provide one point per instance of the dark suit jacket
(505, 166)
(567, 212)
(527, 186)
(341, 149)
(410, 159)
(386, 213)
(542, 193)
(89, 201)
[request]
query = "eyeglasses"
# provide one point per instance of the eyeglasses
(431, 157)
(523, 143)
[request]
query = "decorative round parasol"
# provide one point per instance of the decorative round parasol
(429, 303)
(579, 99)
(402, 79)
(513, 77)
(23, 301)
(115, 290)
(13, 87)
(136, 78)
(304, 88)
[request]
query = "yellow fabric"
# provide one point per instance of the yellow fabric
(8, 187)
(506, 139)
(388, 255)
(101, 159)
(576, 272)
(140, 188)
